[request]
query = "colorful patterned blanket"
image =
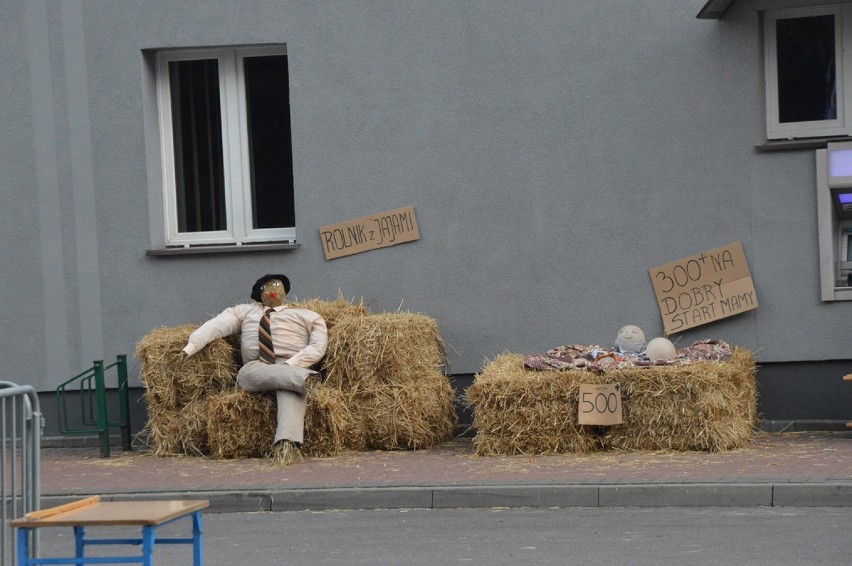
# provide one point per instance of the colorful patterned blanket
(595, 358)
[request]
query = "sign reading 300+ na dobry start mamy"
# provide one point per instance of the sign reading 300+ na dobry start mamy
(703, 288)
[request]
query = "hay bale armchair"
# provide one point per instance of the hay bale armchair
(382, 388)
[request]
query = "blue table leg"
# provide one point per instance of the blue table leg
(23, 546)
(79, 545)
(197, 558)
(149, 536)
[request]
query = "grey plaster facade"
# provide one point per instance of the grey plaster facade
(553, 151)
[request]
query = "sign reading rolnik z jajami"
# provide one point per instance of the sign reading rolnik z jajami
(370, 233)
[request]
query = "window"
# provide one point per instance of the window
(805, 72)
(226, 148)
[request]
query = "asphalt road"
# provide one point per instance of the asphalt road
(583, 536)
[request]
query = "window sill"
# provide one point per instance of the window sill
(809, 143)
(840, 294)
(220, 249)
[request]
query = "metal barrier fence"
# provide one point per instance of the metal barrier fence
(20, 460)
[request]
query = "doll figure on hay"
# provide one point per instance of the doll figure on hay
(630, 340)
(278, 344)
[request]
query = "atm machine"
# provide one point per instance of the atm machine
(834, 214)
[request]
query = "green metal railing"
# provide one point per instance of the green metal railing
(93, 404)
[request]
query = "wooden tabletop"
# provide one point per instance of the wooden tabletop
(92, 511)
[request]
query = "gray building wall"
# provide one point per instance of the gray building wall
(553, 151)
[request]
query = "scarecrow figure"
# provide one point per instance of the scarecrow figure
(278, 344)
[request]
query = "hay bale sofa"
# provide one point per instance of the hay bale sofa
(383, 388)
(706, 406)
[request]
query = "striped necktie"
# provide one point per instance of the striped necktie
(267, 352)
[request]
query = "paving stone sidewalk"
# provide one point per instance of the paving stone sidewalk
(813, 469)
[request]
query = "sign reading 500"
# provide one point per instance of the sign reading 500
(599, 404)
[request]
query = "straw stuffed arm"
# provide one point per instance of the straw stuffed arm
(226, 323)
(317, 340)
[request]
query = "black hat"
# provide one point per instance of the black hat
(257, 288)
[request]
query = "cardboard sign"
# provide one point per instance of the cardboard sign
(599, 404)
(370, 233)
(704, 288)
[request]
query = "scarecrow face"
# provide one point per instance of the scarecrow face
(272, 293)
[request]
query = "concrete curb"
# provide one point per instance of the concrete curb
(514, 496)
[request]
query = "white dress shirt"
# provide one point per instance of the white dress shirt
(298, 335)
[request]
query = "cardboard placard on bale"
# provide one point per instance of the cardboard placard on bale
(707, 406)
(704, 288)
(383, 389)
(599, 404)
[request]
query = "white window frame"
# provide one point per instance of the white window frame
(842, 33)
(236, 170)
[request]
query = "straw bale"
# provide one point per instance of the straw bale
(242, 425)
(383, 389)
(392, 348)
(173, 380)
(178, 432)
(409, 416)
(707, 406)
(518, 411)
(332, 311)
(328, 422)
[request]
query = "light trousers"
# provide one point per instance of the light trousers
(288, 382)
